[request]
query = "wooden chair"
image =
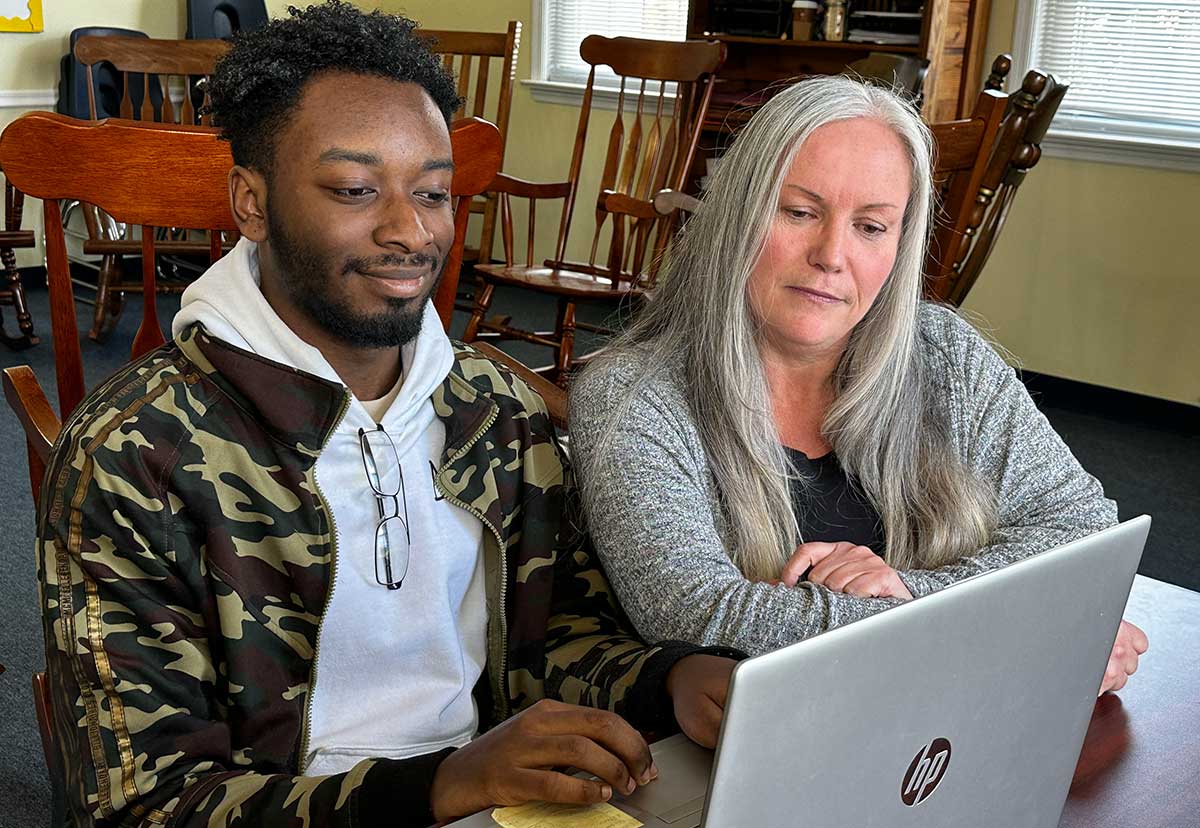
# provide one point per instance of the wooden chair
(903, 73)
(962, 153)
(1016, 151)
(486, 52)
(962, 150)
(651, 145)
(167, 68)
(53, 157)
(555, 396)
(13, 292)
(114, 164)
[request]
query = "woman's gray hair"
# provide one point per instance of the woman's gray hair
(880, 425)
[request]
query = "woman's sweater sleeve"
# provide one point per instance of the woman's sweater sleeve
(652, 513)
(1044, 497)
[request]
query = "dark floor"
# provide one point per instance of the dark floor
(1146, 452)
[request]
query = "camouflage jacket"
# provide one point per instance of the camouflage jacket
(185, 555)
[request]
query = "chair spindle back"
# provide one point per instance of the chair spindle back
(1016, 151)
(177, 65)
(477, 59)
(962, 150)
(663, 95)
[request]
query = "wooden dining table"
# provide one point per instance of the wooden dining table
(1140, 764)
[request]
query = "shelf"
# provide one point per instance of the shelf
(844, 45)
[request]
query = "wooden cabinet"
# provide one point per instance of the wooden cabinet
(952, 36)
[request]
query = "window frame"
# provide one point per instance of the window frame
(1121, 143)
(566, 93)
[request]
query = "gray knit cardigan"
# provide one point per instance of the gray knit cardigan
(658, 526)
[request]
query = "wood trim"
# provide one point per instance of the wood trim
(973, 52)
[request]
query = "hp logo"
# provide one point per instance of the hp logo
(926, 771)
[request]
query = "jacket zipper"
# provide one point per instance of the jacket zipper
(312, 681)
(190, 796)
(501, 546)
(503, 597)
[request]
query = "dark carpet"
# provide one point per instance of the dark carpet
(1145, 451)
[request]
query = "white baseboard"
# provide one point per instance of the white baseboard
(28, 98)
(48, 98)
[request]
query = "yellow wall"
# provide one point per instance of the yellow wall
(1093, 278)
(30, 61)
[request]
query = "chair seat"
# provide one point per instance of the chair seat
(559, 281)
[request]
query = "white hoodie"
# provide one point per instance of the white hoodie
(395, 668)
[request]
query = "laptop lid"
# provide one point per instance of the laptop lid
(965, 707)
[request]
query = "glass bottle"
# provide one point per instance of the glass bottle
(834, 26)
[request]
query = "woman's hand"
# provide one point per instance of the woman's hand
(698, 685)
(1123, 662)
(844, 567)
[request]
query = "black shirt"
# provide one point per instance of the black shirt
(829, 506)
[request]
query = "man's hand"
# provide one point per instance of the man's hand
(1123, 662)
(697, 685)
(513, 762)
(844, 567)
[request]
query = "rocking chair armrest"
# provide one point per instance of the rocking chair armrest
(528, 189)
(667, 201)
(627, 205)
(554, 396)
(28, 401)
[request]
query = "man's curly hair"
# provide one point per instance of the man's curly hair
(258, 83)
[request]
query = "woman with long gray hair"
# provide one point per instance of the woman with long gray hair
(787, 438)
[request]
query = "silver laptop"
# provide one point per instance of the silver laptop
(965, 707)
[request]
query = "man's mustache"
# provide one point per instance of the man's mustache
(391, 260)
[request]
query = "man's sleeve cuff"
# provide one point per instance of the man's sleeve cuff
(647, 705)
(395, 792)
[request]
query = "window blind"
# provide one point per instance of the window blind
(568, 22)
(1133, 65)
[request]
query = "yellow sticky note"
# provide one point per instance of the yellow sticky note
(552, 815)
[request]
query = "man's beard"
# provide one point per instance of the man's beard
(314, 283)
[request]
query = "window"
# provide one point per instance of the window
(561, 25)
(1134, 70)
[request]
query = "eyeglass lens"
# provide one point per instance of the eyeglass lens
(386, 479)
(383, 466)
(391, 552)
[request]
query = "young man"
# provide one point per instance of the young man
(296, 559)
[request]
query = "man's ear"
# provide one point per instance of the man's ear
(248, 198)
